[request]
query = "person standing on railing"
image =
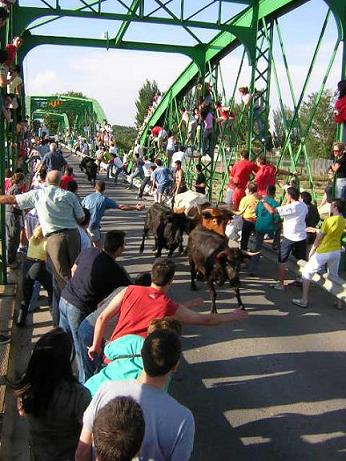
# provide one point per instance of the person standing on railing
(208, 120)
(190, 123)
(340, 108)
(224, 116)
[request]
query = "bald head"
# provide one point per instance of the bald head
(53, 147)
(54, 177)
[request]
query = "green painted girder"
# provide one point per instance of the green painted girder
(26, 15)
(31, 41)
(244, 32)
(41, 112)
(84, 111)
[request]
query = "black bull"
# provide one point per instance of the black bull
(167, 229)
(210, 255)
(89, 167)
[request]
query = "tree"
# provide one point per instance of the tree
(125, 136)
(73, 94)
(144, 100)
(322, 133)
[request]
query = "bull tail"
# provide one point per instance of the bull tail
(145, 233)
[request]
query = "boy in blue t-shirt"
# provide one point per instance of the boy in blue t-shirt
(265, 224)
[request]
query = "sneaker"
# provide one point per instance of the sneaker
(4, 339)
(299, 302)
(278, 286)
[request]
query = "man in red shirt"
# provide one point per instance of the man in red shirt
(68, 177)
(239, 176)
(137, 306)
(12, 49)
(265, 175)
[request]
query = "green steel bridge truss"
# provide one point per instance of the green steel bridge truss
(211, 30)
(75, 113)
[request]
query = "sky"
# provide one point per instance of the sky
(114, 77)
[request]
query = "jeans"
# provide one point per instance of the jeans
(208, 142)
(70, 320)
(145, 181)
(109, 170)
(32, 271)
(253, 265)
(117, 172)
(340, 188)
(12, 236)
(257, 118)
(34, 297)
(86, 336)
(247, 229)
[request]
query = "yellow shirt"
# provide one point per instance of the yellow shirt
(332, 228)
(37, 249)
(247, 207)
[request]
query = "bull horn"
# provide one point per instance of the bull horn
(250, 253)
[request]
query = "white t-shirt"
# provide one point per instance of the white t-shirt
(177, 156)
(11, 87)
(246, 99)
(146, 168)
(294, 225)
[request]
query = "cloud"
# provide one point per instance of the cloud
(42, 82)
(113, 77)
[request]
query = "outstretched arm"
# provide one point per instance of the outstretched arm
(7, 200)
(137, 207)
(187, 316)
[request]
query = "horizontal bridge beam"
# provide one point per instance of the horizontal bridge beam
(31, 41)
(26, 15)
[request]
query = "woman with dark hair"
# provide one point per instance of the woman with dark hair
(340, 108)
(312, 218)
(51, 398)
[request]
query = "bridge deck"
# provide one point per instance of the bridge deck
(272, 388)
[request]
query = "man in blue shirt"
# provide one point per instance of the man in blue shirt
(162, 178)
(97, 203)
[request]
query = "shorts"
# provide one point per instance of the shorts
(318, 260)
(298, 249)
(95, 235)
(164, 187)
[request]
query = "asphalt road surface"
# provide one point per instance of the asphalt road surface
(270, 388)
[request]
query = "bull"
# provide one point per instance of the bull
(210, 255)
(166, 227)
(89, 167)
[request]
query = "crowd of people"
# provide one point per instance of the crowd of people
(87, 288)
(122, 386)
